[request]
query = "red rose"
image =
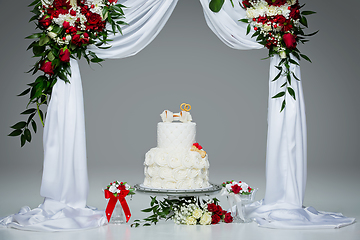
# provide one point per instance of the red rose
(45, 21)
(66, 24)
(212, 207)
(64, 55)
(94, 18)
(112, 1)
(47, 68)
(72, 30)
(215, 219)
(218, 210)
(246, 3)
(72, 13)
(236, 188)
(228, 218)
(286, 26)
(76, 40)
(121, 187)
(290, 40)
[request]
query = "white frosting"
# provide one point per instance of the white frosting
(169, 169)
(177, 136)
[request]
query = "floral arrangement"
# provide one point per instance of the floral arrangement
(185, 210)
(116, 187)
(67, 28)
(207, 213)
(278, 25)
(236, 188)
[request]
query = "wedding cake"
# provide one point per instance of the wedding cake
(178, 162)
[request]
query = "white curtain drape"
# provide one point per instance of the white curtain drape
(286, 140)
(64, 183)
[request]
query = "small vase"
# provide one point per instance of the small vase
(118, 215)
(237, 205)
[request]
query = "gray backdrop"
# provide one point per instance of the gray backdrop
(227, 88)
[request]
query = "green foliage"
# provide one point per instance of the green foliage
(45, 49)
(216, 5)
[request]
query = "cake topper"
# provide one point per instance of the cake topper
(183, 116)
(185, 107)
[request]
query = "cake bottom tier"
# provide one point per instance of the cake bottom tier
(175, 169)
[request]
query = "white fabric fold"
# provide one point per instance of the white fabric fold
(65, 181)
(286, 141)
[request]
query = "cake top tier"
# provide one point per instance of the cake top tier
(184, 116)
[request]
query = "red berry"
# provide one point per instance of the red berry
(297, 11)
(67, 31)
(92, 6)
(64, 38)
(254, 19)
(289, 7)
(275, 26)
(255, 28)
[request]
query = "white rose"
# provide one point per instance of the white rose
(174, 162)
(170, 185)
(197, 213)
(267, 28)
(147, 182)
(153, 171)
(205, 219)
(194, 173)
(113, 189)
(188, 159)
(52, 35)
(190, 221)
(181, 174)
(156, 182)
(166, 173)
(149, 157)
(161, 158)
(250, 13)
(271, 11)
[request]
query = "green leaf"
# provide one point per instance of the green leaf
(33, 123)
(305, 57)
(24, 92)
(216, 5)
(280, 94)
(285, 83)
(22, 140)
(307, 12)
(34, 3)
(291, 92)
(147, 210)
(311, 34)
(283, 105)
(248, 30)
(147, 225)
(295, 76)
(244, 20)
(293, 62)
(277, 77)
(51, 56)
(97, 60)
(303, 21)
(29, 111)
(34, 36)
(19, 125)
(27, 134)
(44, 41)
(15, 133)
(288, 76)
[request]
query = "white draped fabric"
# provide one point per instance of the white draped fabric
(286, 141)
(64, 183)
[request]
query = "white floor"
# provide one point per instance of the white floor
(322, 184)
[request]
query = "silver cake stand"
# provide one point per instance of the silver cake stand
(213, 189)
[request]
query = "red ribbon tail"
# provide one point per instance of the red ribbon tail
(110, 208)
(126, 209)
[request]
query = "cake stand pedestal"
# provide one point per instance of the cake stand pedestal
(174, 193)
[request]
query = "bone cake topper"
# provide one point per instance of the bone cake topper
(183, 116)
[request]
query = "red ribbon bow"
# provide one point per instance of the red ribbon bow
(112, 202)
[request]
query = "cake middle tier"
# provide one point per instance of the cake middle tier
(176, 135)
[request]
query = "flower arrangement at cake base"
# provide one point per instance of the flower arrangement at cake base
(185, 210)
(117, 210)
(238, 194)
